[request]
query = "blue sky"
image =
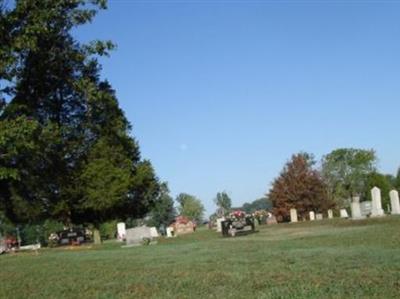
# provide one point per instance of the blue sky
(222, 93)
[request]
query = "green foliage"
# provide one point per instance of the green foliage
(259, 204)
(108, 229)
(223, 202)
(299, 186)
(163, 211)
(346, 171)
(66, 150)
(190, 206)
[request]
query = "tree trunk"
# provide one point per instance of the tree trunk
(96, 236)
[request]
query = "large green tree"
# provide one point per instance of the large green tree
(346, 171)
(299, 186)
(190, 206)
(65, 146)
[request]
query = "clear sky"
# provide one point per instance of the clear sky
(222, 93)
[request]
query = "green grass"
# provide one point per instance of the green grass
(324, 259)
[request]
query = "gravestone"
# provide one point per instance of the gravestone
(319, 216)
(293, 215)
(355, 208)
(121, 231)
(376, 203)
(136, 235)
(343, 213)
(219, 224)
(394, 202)
(330, 214)
(3, 246)
(365, 208)
(312, 216)
(170, 232)
(271, 219)
(154, 232)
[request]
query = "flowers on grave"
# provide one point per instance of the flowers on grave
(238, 215)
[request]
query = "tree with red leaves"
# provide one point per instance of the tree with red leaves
(301, 187)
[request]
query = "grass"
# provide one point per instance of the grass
(323, 259)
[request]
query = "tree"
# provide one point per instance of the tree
(190, 206)
(223, 202)
(65, 146)
(346, 170)
(259, 204)
(163, 212)
(299, 186)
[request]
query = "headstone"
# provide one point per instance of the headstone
(366, 208)
(170, 232)
(312, 216)
(154, 232)
(343, 213)
(136, 235)
(219, 225)
(293, 215)
(394, 202)
(330, 214)
(355, 208)
(121, 231)
(376, 203)
(319, 216)
(3, 246)
(271, 219)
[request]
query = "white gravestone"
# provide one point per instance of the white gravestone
(136, 235)
(319, 216)
(343, 213)
(293, 215)
(330, 214)
(394, 202)
(376, 203)
(312, 216)
(169, 232)
(121, 231)
(219, 224)
(355, 208)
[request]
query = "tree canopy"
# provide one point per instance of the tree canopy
(299, 186)
(223, 202)
(66, 150)
(346, 171)
(190, 206)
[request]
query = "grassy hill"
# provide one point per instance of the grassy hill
(324, 259)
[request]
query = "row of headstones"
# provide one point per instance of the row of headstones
(360, 210)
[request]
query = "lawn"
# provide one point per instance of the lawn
(323, 259)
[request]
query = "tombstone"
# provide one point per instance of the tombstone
(394, 202)
(319, 216)
(271, 219)
(3, 246)
(121, 231)
(219, 224)
(170, 232)
(136, 235)
(365, 208)
(293, 215)
(376, 203)
(355, 208)
(154, 232)
(312, 215)
(343, 213)
(330, 214)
